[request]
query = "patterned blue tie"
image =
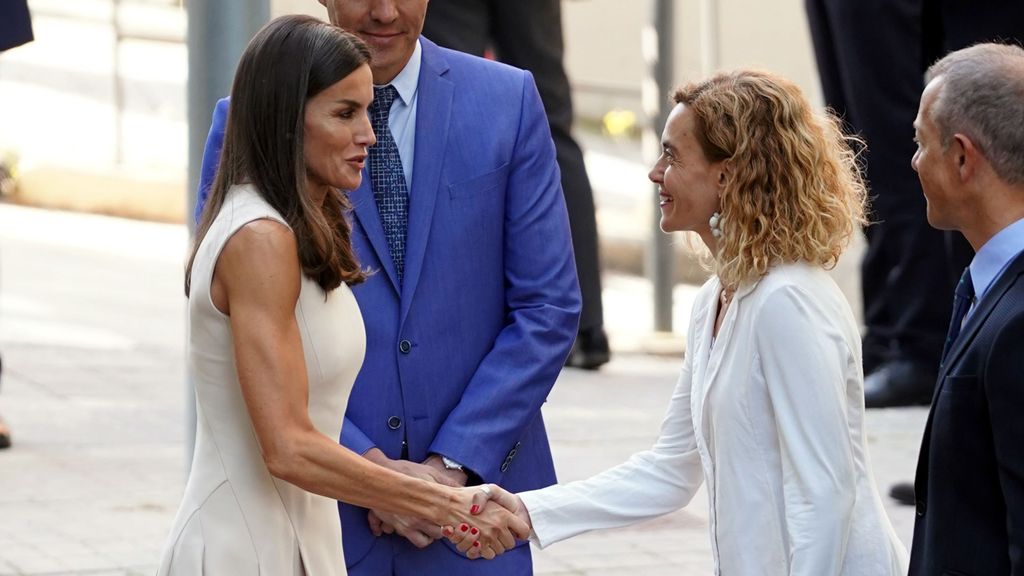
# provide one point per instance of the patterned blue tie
(963, 297)
(388, 177)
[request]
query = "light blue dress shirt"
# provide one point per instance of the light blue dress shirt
(993, 258)
(402, 119)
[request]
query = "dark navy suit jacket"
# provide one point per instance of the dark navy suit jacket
(15, 24)
(970, 475)
(460, 359)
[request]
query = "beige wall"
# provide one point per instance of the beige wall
(311, 7)
(772, 35)
(604, 37)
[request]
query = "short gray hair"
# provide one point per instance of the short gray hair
(982, 97)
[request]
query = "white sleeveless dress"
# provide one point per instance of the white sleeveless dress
(235, 518)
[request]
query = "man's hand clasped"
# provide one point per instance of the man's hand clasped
(416, 530)
(484, 521)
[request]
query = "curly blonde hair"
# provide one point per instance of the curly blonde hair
(793, 192)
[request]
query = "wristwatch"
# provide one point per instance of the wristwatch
(450, 464)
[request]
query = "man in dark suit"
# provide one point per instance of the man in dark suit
(528, 34)
(15, 24)
(871, 57)
(970, 474)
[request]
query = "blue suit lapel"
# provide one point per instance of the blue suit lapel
(433, 112)
(365, 209)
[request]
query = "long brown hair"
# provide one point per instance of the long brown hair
(290, 60)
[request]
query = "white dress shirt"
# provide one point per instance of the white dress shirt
(772, 418)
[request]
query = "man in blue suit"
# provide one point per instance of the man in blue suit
(970, 474)
(475, 302)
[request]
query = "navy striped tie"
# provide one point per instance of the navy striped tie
(963, 297)
(388, 177)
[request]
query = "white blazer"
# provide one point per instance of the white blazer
(772, 418)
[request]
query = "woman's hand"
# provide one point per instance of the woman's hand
(499, 518)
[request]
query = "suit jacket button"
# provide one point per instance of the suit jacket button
(920, 507)
(404, 346)
(394, 422)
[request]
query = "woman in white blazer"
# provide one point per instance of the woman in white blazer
(769, 408)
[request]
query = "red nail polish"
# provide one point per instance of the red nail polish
(476, 544)
(464, 527)
(473, 531)
(474, 509)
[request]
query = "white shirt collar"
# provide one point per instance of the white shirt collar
(408, 80)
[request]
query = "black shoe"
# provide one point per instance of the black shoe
(899, 383)
(590, 350)
(903, 493)
(5, 435)
(5, 432)
(873, 357)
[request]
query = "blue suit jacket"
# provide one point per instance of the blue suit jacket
(970, 474)
(460, 359)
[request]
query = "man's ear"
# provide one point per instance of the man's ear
(966, 155)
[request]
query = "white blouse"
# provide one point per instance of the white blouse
(772, 418)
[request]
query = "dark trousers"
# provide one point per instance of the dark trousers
(872, 56)
(528, 34)
(15, 24)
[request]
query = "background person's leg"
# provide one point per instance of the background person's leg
(5, 432)
(528, 34)
(874, 51)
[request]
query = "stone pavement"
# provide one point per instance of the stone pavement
(92, 336)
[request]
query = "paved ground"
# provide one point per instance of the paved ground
(91, 329)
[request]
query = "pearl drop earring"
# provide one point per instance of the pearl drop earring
(716, 225)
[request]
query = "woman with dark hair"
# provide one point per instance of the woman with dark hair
(275, 335)
(769, 409)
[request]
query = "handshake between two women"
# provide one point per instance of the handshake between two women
(499, 519)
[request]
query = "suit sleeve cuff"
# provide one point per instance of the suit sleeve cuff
(354, 439)
(463, 453)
